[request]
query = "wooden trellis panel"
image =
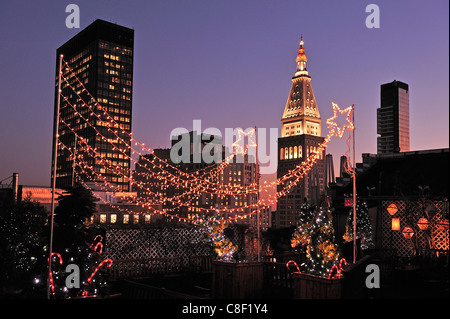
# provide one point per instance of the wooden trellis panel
(154, 243)
(409, 213)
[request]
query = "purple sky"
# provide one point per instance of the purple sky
(229, 63)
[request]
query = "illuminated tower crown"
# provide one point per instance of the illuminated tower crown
(301, 114)
(300, 139)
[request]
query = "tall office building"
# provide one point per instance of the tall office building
(393, 118)
(300, 137)
(101, 57)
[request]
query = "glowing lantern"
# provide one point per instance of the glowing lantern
(408, 232)
(392, 209)
(395, 223)
(423, 223)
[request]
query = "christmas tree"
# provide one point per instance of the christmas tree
(21, 241)
(315, 235)
(223, 246)
(215, 232)
(363, 226)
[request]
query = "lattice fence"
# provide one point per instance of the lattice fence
(409, 213)
(151, 243)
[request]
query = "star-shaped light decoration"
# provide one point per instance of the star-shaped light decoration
(334, 127)
(240, 149)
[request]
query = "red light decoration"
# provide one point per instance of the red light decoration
(336, 271)
(99, 244)
(423, 223)
(408, 232)
(191, 183)
(392, 209)
(295, 264)
(348, 202)
(50, 274)
(98, 267)
(109, 261)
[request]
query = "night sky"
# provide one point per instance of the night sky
(229, 63)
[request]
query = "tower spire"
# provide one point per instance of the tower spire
(301, 59)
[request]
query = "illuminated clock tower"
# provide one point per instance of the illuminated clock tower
(300, 137)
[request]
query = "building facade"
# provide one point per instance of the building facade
(95, 106)
(393, 118)
(300, 137)
(242, 171)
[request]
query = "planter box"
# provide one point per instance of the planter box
(308, 286)
(237, 280)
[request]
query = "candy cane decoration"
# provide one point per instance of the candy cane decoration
(50, 274)
(291, 261)
(338, 269)
(99, 244)
(85, 293)
(98, 267)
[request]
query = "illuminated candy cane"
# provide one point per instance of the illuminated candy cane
(85, 293)
(98, 267)
(97, 245)
(291, 261)
(50, 274)
(338, 269)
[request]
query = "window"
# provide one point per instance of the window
(102, 218)
(113, 219)
(136, 218)
(147, 218)
(126, 218)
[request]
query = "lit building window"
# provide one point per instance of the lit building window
(135, 218)
(102, 218)
(113, 218)
(147, 218)
(126, 218)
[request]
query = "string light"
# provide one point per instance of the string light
(195, 185)
(333, 128)
(259, 203)
(306, 165)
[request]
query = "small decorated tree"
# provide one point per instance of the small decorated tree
(315, 234)
(223, 246)
(215, 233)
(363, 226)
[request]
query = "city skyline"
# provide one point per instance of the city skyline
(223, 64)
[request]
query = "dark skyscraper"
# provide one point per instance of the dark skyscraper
(393, 118)
(300, 137)
(101, 58)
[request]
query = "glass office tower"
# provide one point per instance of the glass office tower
(101, 58)
(393, 118)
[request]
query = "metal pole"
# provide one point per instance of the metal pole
(257, 196)
(55, 156)
(354, 187)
